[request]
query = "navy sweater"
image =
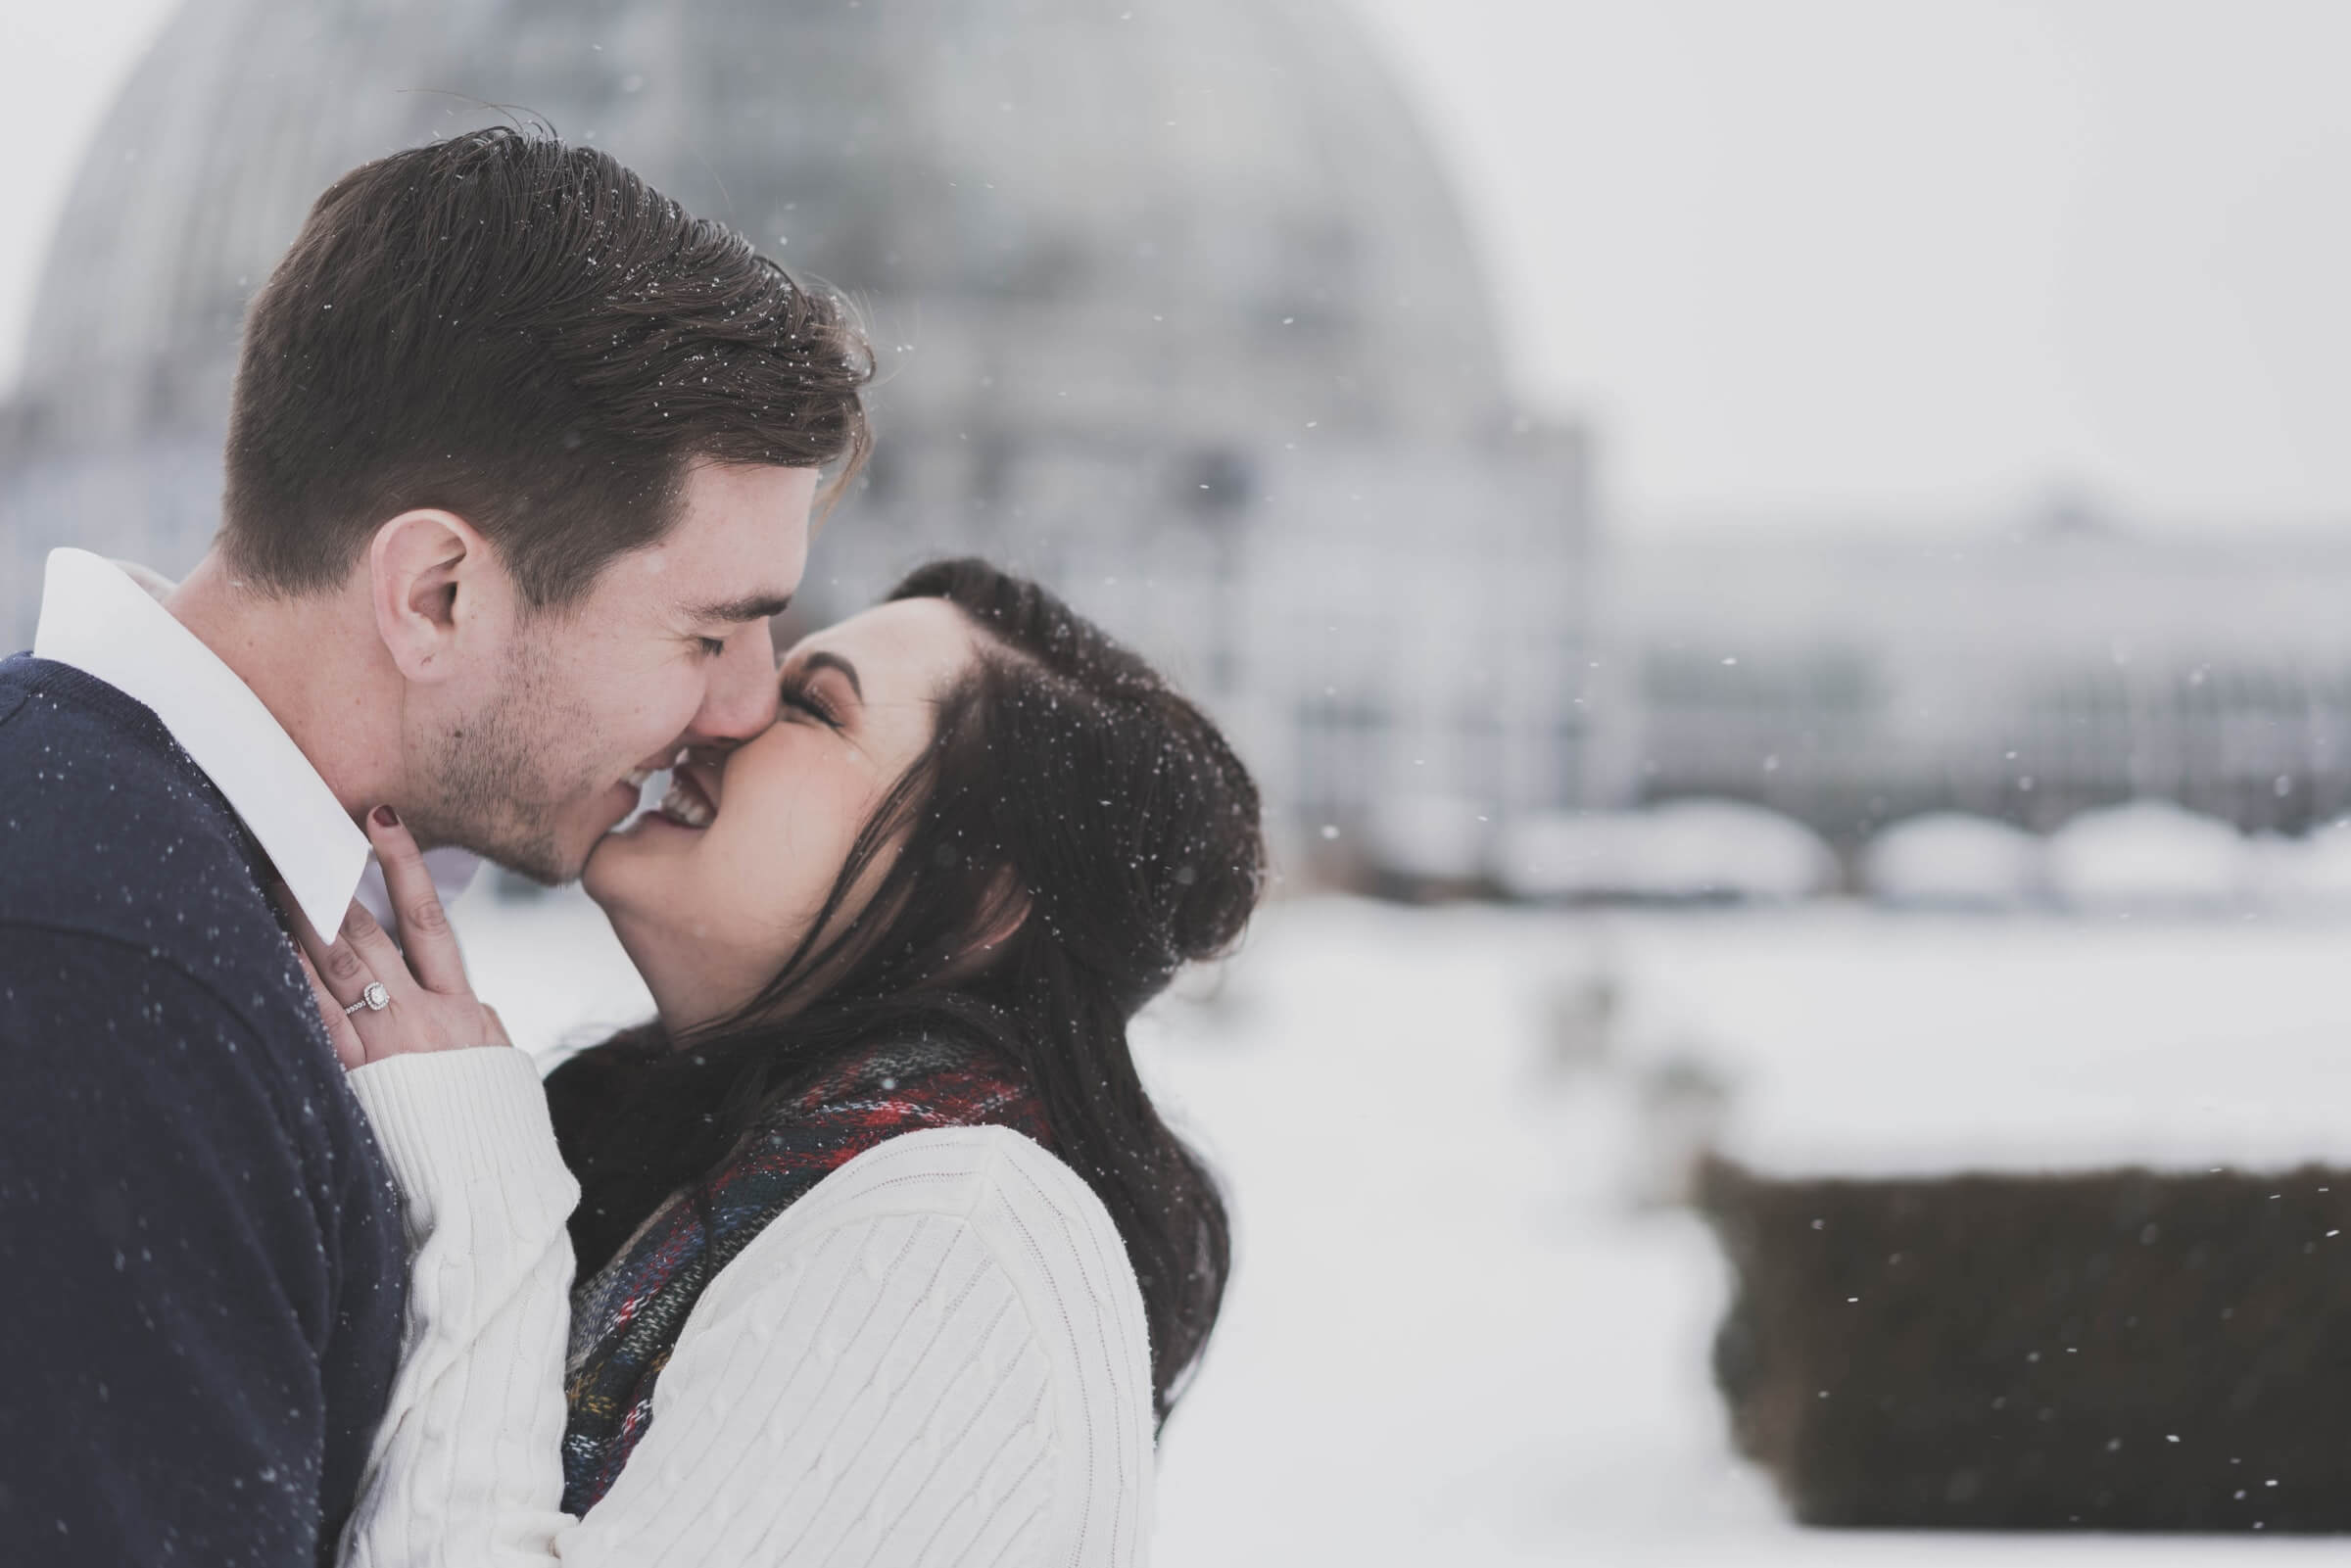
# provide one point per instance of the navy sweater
(201, 1263)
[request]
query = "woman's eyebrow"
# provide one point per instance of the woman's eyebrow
(822, 660)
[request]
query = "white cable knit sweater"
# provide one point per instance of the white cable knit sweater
(936, 1356)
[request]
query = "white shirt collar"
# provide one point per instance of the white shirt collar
(96, 619)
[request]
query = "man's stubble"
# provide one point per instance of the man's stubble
(497, 779)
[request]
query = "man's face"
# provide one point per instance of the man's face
(669, 649)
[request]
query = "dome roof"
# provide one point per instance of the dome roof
(1096, 213)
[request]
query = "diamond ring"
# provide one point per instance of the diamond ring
(374, 999)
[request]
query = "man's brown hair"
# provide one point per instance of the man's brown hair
(528, 335)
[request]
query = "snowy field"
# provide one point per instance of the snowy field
(1463, 1329)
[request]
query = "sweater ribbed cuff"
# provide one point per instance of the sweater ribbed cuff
(446, 1120)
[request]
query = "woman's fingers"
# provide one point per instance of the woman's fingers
(417, 1017)
(349, 1050)
(377, 954)
(425, 931)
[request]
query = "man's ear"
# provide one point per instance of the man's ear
(431, 577)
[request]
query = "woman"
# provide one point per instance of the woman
(885, 1254)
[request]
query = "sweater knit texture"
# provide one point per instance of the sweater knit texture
(627, 1317)
(934, 1358)
(201, 1235)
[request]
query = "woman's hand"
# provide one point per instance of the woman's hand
(428, 1003)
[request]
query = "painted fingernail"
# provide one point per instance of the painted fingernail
(386, 817)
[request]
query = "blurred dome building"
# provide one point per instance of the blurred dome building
(1174, 308)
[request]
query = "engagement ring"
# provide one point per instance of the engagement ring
(374, 999)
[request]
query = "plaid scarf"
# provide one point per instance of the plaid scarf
(625, 1320)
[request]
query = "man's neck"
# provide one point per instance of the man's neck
(302, 656)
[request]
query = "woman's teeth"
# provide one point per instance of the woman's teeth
(636, 779)
(686, 803)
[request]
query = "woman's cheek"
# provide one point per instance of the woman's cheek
(783, 879)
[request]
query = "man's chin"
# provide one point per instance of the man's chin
(547, 873)
(551, 858)
(569, 850)
(543, 846)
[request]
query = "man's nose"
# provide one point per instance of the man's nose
(741, 699)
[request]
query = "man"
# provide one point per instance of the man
(520, 461)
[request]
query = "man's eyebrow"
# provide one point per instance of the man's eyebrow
(821, 660)
(750, 607)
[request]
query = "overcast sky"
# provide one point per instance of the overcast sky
(1910, 260)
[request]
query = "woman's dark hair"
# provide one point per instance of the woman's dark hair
(529, 335)
(1069, 790)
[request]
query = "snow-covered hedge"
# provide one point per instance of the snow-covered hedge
(2150, 856)
(1948, 860)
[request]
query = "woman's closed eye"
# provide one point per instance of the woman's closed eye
(803, 695)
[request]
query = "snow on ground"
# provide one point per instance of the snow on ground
(1858, 1042)
(1452, 1337)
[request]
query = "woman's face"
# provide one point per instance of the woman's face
(710, 893)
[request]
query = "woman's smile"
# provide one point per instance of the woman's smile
(692, 798)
